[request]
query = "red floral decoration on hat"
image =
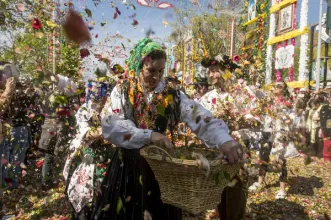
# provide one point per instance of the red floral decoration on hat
(36, 24)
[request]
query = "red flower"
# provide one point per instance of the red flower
(236, 58)
(116, 111)
(213, 62)
(40, 163)
(84, 53)
(36, 24)
(213, 101)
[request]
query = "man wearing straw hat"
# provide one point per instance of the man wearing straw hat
(233, 202)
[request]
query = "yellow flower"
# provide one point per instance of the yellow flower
(246, 4)
(131, 95)
(239, 71)
(51, 24)
(131, 73)
(243, 17)
(262, 6)
(227, 74)
(170, 99)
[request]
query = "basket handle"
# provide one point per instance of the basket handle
(161, 149)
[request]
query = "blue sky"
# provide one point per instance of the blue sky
(148, 17)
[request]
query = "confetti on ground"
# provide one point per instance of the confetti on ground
(309, 196)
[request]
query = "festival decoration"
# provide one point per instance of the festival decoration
(276, 7)
(303, 71)
(253, 24)
(284, 57)
(154, 3)
(272, 33)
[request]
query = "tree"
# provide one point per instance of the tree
(32, 48)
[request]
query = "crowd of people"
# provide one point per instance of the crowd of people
(100, 130)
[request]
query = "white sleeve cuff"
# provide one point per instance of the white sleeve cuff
(144, 136)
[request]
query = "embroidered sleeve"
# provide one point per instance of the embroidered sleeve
(120, 131)
(213, 132)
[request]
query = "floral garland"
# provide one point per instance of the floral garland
(272, 33)
(254, 54)
(303, 71)
(145, 113)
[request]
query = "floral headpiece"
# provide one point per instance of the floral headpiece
(222, 60)
(142, 49)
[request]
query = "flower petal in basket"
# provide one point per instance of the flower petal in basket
(183, 184)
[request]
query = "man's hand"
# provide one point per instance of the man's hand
(233, 151)
(161, 141)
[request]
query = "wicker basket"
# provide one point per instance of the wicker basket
(183, 184)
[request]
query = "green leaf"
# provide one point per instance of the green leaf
(103, 24)
(226, 175)
(133, 7)
(106, 208)
(119, 206)
(88, 12)
(160, 110)
(141, 180)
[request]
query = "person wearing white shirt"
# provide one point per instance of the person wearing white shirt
(133, 120)
(51, 136)
(228, 209)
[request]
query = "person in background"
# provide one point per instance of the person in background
(88, 155)
(313, 127)
(275, 140)
(52, 130)
(321, 97)
(7, 90)
(172, 81)
(325, 118)
(201, 87)
(20, 134)
(218, 67)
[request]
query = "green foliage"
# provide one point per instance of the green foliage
(31, 49)
(209, 26)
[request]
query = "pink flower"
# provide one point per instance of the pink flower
(213, 62)
(148, 59)
(213, 101)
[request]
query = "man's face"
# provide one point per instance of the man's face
(215, 75)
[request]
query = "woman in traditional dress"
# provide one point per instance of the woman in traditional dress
(88, 155)
(142, 109)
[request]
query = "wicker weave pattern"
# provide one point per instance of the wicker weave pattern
(183, 184)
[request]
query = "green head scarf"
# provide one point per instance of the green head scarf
(141, 50)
